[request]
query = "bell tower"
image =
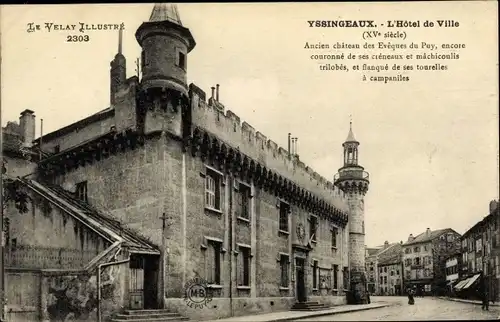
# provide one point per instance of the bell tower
(163, 89)
(354, 181)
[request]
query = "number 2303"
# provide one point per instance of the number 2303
(81, 38)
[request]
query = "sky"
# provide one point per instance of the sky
(430, 144)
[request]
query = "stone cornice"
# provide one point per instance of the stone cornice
(91, 151)
(229, 160)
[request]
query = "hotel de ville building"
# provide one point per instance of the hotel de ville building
(166, 189)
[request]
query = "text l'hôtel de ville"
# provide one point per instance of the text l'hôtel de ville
(388, 24)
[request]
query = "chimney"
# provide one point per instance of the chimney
(386, 244)
(410, 238)
(428, 232)
(217, 93)
(493, 206)
(213, 91)
(289, 142)
(27, 124)
(401, 242)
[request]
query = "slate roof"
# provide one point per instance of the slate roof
(350, 136)
(373, 251)
(98, 221)
(391, 255)
(165, 12)
(422, 238)
(476, 227)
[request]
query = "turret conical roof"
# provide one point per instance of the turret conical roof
(350, 136)
(165, 12)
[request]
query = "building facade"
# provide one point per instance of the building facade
(168, 187)
(424, 259)
(390, 270)
(371, 262)
(480, 253)
(452, 269)
(384, 269)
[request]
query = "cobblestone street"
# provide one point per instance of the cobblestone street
(426, 308)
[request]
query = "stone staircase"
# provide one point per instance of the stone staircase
(147, 316)
(309, 306)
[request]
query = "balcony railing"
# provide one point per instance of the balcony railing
(25, 256)
(352, 174)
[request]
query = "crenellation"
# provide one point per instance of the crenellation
(248, 132)
(272, 147)
(283, 153)
(225, 126)
(199, 92)
(261, 140)
(232, 116)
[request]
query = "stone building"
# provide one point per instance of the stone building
(371, 263)
(480, 257)
(165, 200)
(384, 270)
(452, 268)
(424, 259)
(390, 270)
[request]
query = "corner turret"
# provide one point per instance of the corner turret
(354, 181)
(165, 44)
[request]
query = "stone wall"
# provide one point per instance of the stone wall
(125, 105)
(47, 237)
(138, 186)
(74, 296)
(17, 167)
(356, 226)
(79, 135)
(227, 127)
(130, 186)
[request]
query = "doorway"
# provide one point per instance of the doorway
(143, 283)
(300, 279)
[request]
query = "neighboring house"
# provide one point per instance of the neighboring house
(371, 260)
(452, 266)
(390, 269)
(424, 258)
(383, 266)
(480, 253)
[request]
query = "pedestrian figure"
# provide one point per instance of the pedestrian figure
(485, 298)
(411, 294)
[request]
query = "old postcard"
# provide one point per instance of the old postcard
(250, 161)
